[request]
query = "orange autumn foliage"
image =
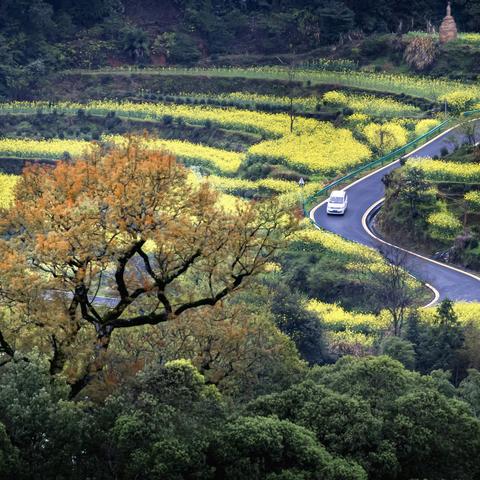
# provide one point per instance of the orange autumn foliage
(127, 222)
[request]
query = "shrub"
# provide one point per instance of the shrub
(399, 349)
(167, 119)
(443, 226)
(183, 49)
(374, 46)
(424, 126)
(459, 100)
(385, 137)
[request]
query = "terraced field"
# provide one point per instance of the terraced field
(289, 146)
(422, 87)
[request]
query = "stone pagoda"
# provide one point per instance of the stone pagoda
(448, 28)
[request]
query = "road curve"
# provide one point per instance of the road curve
(365, 197)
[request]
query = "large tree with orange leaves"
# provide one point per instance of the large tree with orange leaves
(126, 221)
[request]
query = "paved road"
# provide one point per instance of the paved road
(364, 194)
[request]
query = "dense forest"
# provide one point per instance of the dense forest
(40, 36)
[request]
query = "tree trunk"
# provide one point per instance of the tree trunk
(95, 367)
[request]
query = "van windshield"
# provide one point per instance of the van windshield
(336, 199)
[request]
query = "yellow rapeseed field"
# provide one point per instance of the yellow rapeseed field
(338, 245)
(369, 104)
(327, 150)
(226, 184)
(7, 184)
(258, 122)
(444, 171)
(415, 85)
(222, 160)
(334, 317)
(47, 149)
(312, 147)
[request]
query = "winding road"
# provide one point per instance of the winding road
(366, 197)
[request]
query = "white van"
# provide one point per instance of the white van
(337, 203)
